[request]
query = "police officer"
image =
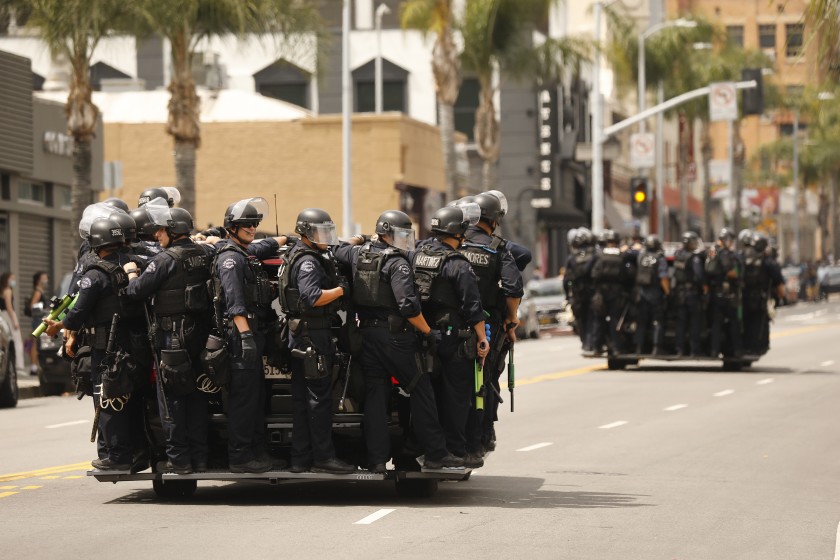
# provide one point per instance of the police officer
(690, 286)
(99, 299)
(171, 195)
(723, 273)
(177, 278)
(310, 294)
(500, 287)
(654, 287)
(146, 243)
(91, 213)
(452, 305)
(246, 293)
(388, 308)
(117, 203)
(579, 286)
(611, 274)
(762, 279)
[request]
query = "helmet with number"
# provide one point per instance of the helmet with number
(760, 242)
(652, 243)
(317, 226)
(583, 238)
(690, 241)
(126, 222)
(726, 235)
(246, 212)
(454, 220)
(745, 237)
(171, 195)
(146, 228)
(491, 207)
(105, 232)
(117, 203)
(91, 213)
(398, 226)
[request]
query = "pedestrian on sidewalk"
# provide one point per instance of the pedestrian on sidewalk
(7, 309)
(35, 309)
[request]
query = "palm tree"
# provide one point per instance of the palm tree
(72, 29)
(186, 23)
(823, 19)
(436, 17)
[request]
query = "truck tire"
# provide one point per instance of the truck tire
(616, 364)
(417, 487)
(9, 389)
(52, 389)
(729, 365)
(174, 489)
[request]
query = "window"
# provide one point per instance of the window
(29, 191)
(284, 81)
(291, 93)
(394, 81)
(735, 34)
(767, 36)
(63, 198)
(793, 46)
(465, 107)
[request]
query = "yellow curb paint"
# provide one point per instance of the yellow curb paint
(559, 375)
(7, 487)
(6, 494)
(46, 471)
(803, 330)
(31, 487)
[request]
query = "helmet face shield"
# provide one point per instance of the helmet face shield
(240, 210)
(158, 212)
(502, 200)
(173, 193)
(323, 234)
(91, 214)
(403, 238)
(472, 212)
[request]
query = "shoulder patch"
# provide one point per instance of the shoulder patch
(403, 268)
(85, 283)
(152, 266)
(228, 264)
(307, 266)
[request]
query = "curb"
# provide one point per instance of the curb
(29, 392)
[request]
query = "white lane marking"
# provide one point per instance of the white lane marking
(375, 516)
(74, 423)
(837, 544)
(723, 393)
(535, 446)
(765, 381)
(827, 363)
(675, 407)
(612, 425)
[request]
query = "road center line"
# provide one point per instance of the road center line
(724, 393)
(765, 381)
(612, 425)
(675, 407)
(374, 517)
(63, 424)
(535, 446)
(827, 363)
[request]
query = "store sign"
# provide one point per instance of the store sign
(723, 102)
(548, 139)
(642, 150)
(58, 143)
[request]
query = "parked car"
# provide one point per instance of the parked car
(54, 376)
(830, 283)
(8, 373)
(791, 276)
(549, 298)
(529, 326)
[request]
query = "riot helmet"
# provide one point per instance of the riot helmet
(317, 226)
(745, 238)
(127, 224)
(726, 237)
(583, 238)
(760, 242)
(246, 212)
(690, 241)
(652, 243)
(171, 195)
(570, 237)
(491, 207)
(91, 213)
(398, 225)
(610, 236)
(463, 200)
(146, 228)
(105, 232)
(454, 220)
(176, 221)
(117, 203)
(502, 200)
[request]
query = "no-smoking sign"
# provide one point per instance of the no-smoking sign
(642, 150)
(723, 101)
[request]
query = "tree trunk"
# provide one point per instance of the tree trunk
(707, 182)
(183, 123)
(487, 132)
(81, 194)
(185, 174)
(833, 219)
(488, 175)
(446, 117)
(685, 134)
(82, 116)
(446, 68)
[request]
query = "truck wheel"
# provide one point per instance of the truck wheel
(9, 389)
(51, 389)
(732, 366)
(174, 489)
(616, 364)
(417, 487)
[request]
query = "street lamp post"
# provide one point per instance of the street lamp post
(346, 123)
(795, 249)
(381, 10)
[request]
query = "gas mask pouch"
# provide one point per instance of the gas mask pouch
(176, 371)
(215, 361)
(80, 371)
(118, 371)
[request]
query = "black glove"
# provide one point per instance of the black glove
(249, 347)
(216, 231)
(428, 343)
(345, 286)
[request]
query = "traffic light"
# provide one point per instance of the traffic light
(753, 99)
(639, 197)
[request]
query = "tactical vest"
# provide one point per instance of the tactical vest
(186, 290)
(648, 272)
(754, 275)
(112, 302)
(486, 263)
(318, 317)
(436, 292)
(257, 290)
(369, 290)
(718, 267)
(610, 265)
(683, 269)
(582, 260)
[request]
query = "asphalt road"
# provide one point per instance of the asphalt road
(657, 462)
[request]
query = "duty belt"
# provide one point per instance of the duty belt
(385, 324)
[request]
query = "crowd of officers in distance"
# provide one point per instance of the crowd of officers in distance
(196, 308)
(624, 296)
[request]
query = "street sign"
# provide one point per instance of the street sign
(540, 203)
(642, 150)
(723, 102)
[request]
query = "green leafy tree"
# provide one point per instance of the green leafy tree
(822, 18)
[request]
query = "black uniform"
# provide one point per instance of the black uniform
(309, 273)
(120, 428)
(452, 306)
(652, 268)
(761, 278)
(384, 296)
(246, 292)
(177, 278)
(578, 284)
(723, 273)
(499, 278)
(689, 278)
(611, 274)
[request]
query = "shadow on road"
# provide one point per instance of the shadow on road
(480, 492)
(757, 369)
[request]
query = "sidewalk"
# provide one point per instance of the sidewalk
(29, 386)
